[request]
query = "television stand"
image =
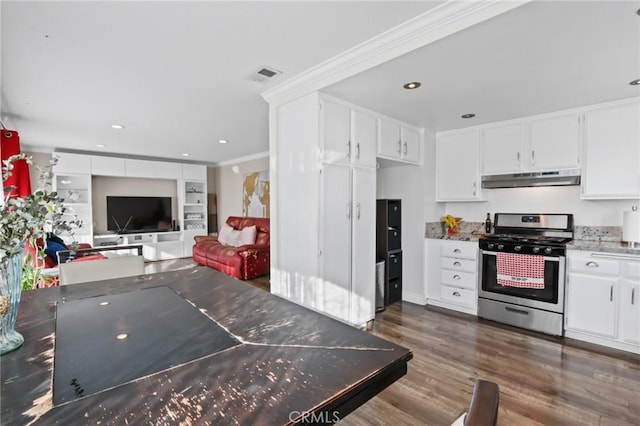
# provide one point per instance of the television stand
(155, 245)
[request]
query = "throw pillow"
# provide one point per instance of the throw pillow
(247, 236)
(52, 249)
(224, 234)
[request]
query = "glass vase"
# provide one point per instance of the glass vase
(10, 289)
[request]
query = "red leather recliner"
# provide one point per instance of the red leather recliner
(244, 262)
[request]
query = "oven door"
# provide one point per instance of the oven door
(551, 298)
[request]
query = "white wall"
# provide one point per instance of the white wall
(228, 180)
(554, 199)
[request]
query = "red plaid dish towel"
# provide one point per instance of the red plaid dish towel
(520, 270)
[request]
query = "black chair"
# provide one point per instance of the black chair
(483, 410)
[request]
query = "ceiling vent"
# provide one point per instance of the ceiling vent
(264, 74)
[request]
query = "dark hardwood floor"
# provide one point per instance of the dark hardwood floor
(543, 380)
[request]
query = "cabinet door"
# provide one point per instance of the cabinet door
(72, 163)
(630, 311)
(140, 168)
(335, 132)
(364, 130)
(335, 240)
(194, 171)
(555, 143)
(591, 304)
(167, 170)
(107, 166)
(612, 153)
(457, 168)
(389, 139)
(411, 144)
(503, 149)
(363, 246)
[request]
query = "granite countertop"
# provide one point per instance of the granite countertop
(202, 348)
(603, 246)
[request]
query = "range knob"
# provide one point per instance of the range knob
(490, 245)
(548, 250)
(517, 248)
(536, 249)
(500, 246)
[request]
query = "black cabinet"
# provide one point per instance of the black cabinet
(389, 247)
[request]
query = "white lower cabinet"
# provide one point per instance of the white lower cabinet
(602, 304)
(452, 275)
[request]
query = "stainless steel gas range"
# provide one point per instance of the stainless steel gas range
(522, 271)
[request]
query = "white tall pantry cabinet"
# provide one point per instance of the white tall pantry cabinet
(326, 207)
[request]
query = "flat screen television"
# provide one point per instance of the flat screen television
(126, 215)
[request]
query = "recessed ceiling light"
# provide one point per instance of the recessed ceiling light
(412, 85)
(100, 145)
(468, 115)
(104, 303)
(635, 82)
(223, 141)
(117, 126)
(185, 154)
(122, 336)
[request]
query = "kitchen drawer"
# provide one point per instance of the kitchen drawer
(593, 265)
(458, 278)
(459, 249)
(458, 264)
(460, 296)
(633, 270)
(394, 239)
(395, 265)
(394, 290)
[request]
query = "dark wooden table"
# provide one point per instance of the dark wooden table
(202, 348)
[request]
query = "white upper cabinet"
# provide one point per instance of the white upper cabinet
(194, 171)
(364, 129)
(71, 163)
(107, 166)
(554, 143)
(544, 143)
(612, 152)
(389, 139)
(503, 149)
(140, 168)
(335, 132)
(398, 142)
(167, 170)
(458, 167)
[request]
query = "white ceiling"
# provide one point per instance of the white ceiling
(175, 73)
(541, 57)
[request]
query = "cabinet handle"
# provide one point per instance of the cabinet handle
(456, 250)
(456, 263)
(456, 277)
(348, 210)
(399, 146)
(358, 211)
(455, 293)
(592, 264)
(474, 188)
(358, 150)
(349, 148)
(633, 294)
(611, 294)
(533, 158)
(518, 158)
(405, 148)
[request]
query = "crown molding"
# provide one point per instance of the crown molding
(242, 159)
(434, 24)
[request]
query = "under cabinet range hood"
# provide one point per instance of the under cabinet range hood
(517, 180)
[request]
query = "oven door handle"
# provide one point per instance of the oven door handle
(546, 258)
